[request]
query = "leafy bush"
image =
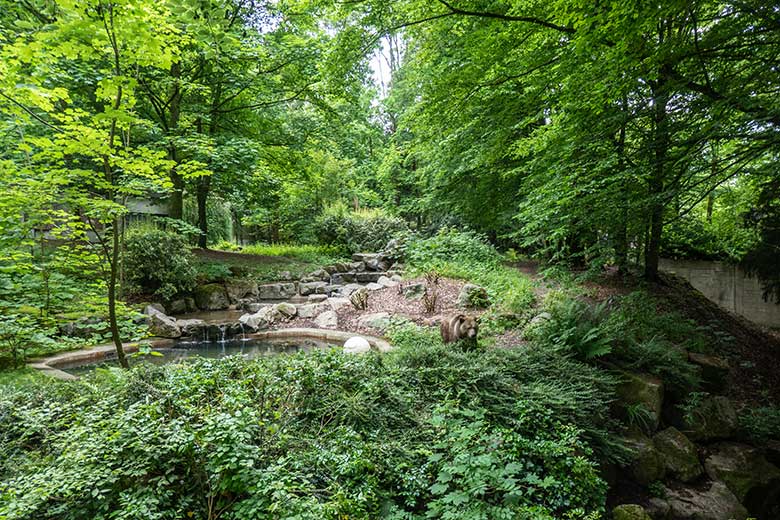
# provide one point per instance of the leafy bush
(313, 436)
(158, 261)
(453, 246)
(315, 254)
(357, 231)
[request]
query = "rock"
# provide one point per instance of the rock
(376, 320)
(348, 289)
(262, 319)
(742, 468)
(337, 303)
(678, 454)
(320, 275)
(366, 277)
(314, 298)
(154, 308)
(393, 250)
(331, 289)
(163, 326)
(374, 286)
(238, 289)
(539, 319)
(473, 297)
(642, 390)
(276, 291)
(714, 371)
(713, 418)
(377, 264)
(396, 277)
(357, 345)
(630, 512)
(285, 276)
(657, 508)
(339, 267)
(191, 328)
(327, 320)
(211, 297)
(414, 291)
(357, 266)
(364, 257)
(715, 503)
(384, 281)
(310, 310)
(342, 278)
(254, 307)
(647, 466)
(307, 288)
(178, 306)
(286, 310)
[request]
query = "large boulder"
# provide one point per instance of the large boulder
(347, 290)
(473, 297)
(310, 310)
(714, 503)
(712, 418)
(742, 468)
(678, 454)
(182, 305)
(714, 371)
(276, 291)
(327, 320)
(657, 508)
(262, 319)
(641, 390)
(367, 277)
(377, 263)
(240, 289)
(646, 465)
(211, 297)
(163, 326)
(192, 328)
(630, 512)
(337, 303)
(286, 310)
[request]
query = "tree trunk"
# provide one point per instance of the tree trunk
(657, 175)
(202, 195)
(114, 326)
(176, 202)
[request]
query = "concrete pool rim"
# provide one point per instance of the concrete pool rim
(51, 365)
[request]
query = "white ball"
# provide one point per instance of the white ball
(356, 345)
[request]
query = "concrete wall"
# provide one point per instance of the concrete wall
(728, 286)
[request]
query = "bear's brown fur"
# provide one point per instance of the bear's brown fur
(458, 327)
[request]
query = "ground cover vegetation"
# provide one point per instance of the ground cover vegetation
(149, 149)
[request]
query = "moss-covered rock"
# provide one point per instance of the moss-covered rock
(678, 454)
(742, 468)
(630, 512)
(641, 390)
(712, 418)
(211, 297)
(646, 465)
(715, 503)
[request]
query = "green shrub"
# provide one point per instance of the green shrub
(315, 254)
(452, 246)
(760, 424)
(357, 231)
(320, 435)
(159, 262)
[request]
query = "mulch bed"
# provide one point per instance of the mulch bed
(390, 300)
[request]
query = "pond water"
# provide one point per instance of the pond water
(183, 351)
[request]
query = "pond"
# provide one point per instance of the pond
(184, 350)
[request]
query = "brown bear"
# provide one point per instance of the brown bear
(456, 328)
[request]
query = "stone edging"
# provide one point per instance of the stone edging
(51, 365)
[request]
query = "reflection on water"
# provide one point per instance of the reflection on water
(183, 350)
